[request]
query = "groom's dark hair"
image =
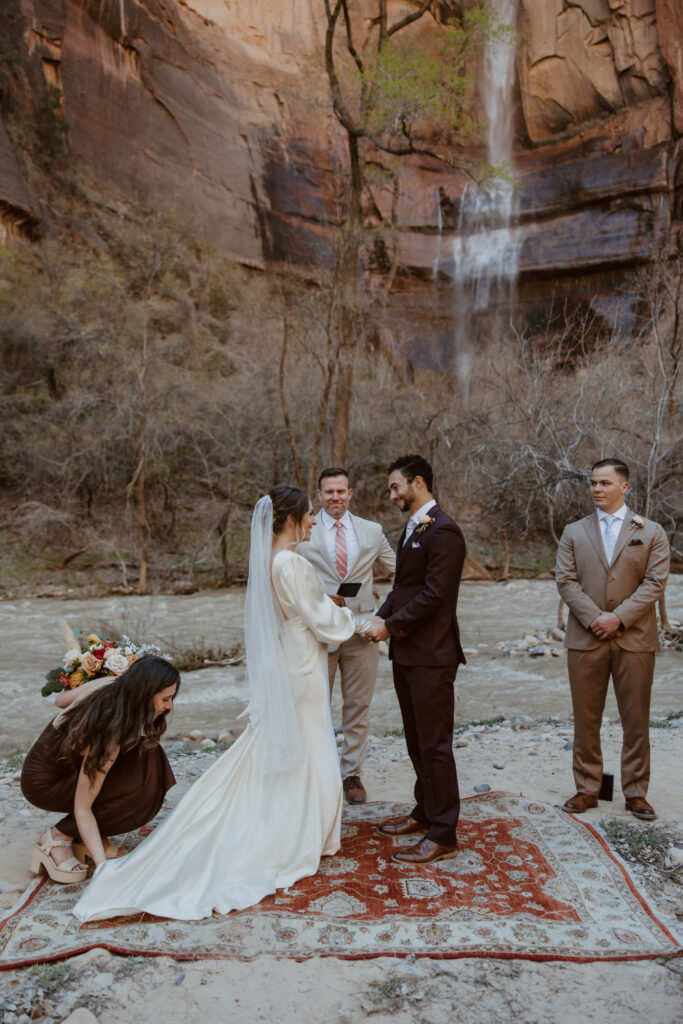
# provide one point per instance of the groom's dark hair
(412, 466)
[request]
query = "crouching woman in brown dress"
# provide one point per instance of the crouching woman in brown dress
(100, 764)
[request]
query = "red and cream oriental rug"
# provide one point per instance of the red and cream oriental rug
(529, 881)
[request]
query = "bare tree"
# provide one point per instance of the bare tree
(398, 94)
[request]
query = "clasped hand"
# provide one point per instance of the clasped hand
(375, 629)
(606, 626)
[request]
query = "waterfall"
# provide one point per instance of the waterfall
(439, 224)
(486, 248)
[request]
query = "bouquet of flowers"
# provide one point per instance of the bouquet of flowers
(89, 656)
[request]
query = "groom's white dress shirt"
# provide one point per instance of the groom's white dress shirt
(414, 520)
(352, 542)
(610, 525)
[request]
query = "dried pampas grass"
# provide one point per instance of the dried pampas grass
(68, 636)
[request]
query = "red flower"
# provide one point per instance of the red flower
(99, 653)
(64, 679)
(108, 643)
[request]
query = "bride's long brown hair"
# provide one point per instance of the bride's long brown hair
(118, 715)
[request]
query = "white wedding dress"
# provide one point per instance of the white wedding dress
(242, 831)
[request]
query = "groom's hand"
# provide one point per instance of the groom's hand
(376, 629)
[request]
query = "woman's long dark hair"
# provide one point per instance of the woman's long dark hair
(117, 715)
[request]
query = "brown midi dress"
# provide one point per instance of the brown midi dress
(132, 793)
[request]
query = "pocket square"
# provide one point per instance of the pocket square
(416, 544)
(632, 543)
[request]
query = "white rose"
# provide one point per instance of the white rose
(117, 663)
(72, 657)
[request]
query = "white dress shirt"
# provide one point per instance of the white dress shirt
(352, 542)
(414, 520)
(615, 521)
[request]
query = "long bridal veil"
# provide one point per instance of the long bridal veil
(271, 705)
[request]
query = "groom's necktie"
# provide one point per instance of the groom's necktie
(340, 550)
(610, 531)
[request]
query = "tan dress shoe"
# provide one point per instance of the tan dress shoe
(405, 826)
(640, 808)
(354, 790)
(579, 803)
(424, 852)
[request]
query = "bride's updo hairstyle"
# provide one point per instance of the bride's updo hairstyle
(287, 501)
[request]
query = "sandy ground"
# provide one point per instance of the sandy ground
(423, 991)
(532, 695)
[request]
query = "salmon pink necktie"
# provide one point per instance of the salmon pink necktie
(340, 550)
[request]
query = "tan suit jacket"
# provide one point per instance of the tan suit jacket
(373, 547)
(356, 659)
(629, 588)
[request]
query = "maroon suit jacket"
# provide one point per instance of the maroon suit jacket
(420, 610)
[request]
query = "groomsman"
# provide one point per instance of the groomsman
(345, 548)
(612, 568)
(419, 616)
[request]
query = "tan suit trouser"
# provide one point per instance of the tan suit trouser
(632, 674)
(357, 660)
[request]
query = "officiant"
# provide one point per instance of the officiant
(344, 549)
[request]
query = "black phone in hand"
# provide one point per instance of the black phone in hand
(348, 589)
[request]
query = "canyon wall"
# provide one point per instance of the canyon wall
(209, 108)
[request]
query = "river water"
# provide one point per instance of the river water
(212, 698)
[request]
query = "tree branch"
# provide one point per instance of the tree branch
(409, 18)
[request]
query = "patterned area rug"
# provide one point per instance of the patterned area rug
(528, 881)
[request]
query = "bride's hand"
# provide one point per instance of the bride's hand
(374, 629)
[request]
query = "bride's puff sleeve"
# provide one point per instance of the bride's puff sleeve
(305, 596)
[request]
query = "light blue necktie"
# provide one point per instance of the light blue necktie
(410, 526)
(609, 534)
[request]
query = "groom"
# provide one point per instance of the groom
(419, 617)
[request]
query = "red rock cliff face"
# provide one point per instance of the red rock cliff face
(203, 106)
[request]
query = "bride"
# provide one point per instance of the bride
(266, 812)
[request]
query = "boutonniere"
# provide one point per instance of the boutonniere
(424, 523)
(637, 523)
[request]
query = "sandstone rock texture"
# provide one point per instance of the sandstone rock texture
(207, 107)
(580, 60)
(17, 208)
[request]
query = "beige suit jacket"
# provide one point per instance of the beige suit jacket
(373, 547)
(629, 588)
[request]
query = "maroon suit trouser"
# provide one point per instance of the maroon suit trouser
(425, 695)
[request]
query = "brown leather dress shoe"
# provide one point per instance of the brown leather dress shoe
(405, 826)
(354, 790)
(579, 803)
(640, 808)
(424, 852)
